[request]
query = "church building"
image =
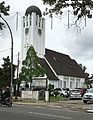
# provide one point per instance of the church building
(61, 70)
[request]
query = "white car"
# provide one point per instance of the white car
(62, 92)
(88, 96)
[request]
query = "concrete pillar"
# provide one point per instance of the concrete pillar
(47, 96)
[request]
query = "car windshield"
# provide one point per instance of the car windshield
(75, 91)
(90, 90)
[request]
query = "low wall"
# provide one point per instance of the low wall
(30, 95)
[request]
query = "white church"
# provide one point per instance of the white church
(61, 70)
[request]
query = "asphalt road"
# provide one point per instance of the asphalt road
(28, 112)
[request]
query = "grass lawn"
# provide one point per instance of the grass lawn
(57, 98)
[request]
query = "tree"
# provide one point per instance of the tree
(31, 67)
(81, 8)
(82, 67)
(5, 73)
(3, 10)
(1, 79)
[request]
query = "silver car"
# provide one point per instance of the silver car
(75, 94)
(88, 96)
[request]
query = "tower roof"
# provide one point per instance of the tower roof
(33, 9)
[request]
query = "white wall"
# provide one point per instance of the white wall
(30, 95)
(32, 37)
(76, 82)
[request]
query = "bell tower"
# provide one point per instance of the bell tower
(33, 32)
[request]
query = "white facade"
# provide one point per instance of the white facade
(67, 82)
(33, 33)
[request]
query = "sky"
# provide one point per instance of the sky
(76, 43)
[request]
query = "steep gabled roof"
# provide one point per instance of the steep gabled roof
(63, 64)
(48, 70)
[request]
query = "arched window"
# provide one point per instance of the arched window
(36, 19)
(30, 19)
(26, 20)
(39, 21)
(23, 21)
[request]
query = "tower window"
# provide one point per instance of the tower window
(36, 19)
(39, 24)
(39, 21)
(30, 19)
(23, 21)
(27, 21)
(42, 25)
(26, 30)
(39, 31)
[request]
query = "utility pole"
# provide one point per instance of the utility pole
(17, 75)
(17, 65)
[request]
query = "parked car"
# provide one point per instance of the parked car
(61, 91)
(75, 94)
(82, 90)
(38, 88)
(88, 96)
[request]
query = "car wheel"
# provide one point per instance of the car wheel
(84, 101)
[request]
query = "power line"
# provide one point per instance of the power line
(5, 50)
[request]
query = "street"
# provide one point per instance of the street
(28, 112)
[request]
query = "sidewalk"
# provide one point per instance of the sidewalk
(69, 104)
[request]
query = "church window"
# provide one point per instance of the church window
(42, 23)
(64, 84)
(36, 19)
(39, 31)
(26, 30)
(77, 84)
(39, 24)
(71, 85)
(30, 19)
(39, 21)
(23, 21)
(26, 21)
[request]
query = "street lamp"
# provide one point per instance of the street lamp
(11, 52)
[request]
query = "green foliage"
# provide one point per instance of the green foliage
(31, 66)
(80, 8)
(57, 98)
(82, 67)
(4, 10)
(56, 93)
(5, 73)
(51, 87)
